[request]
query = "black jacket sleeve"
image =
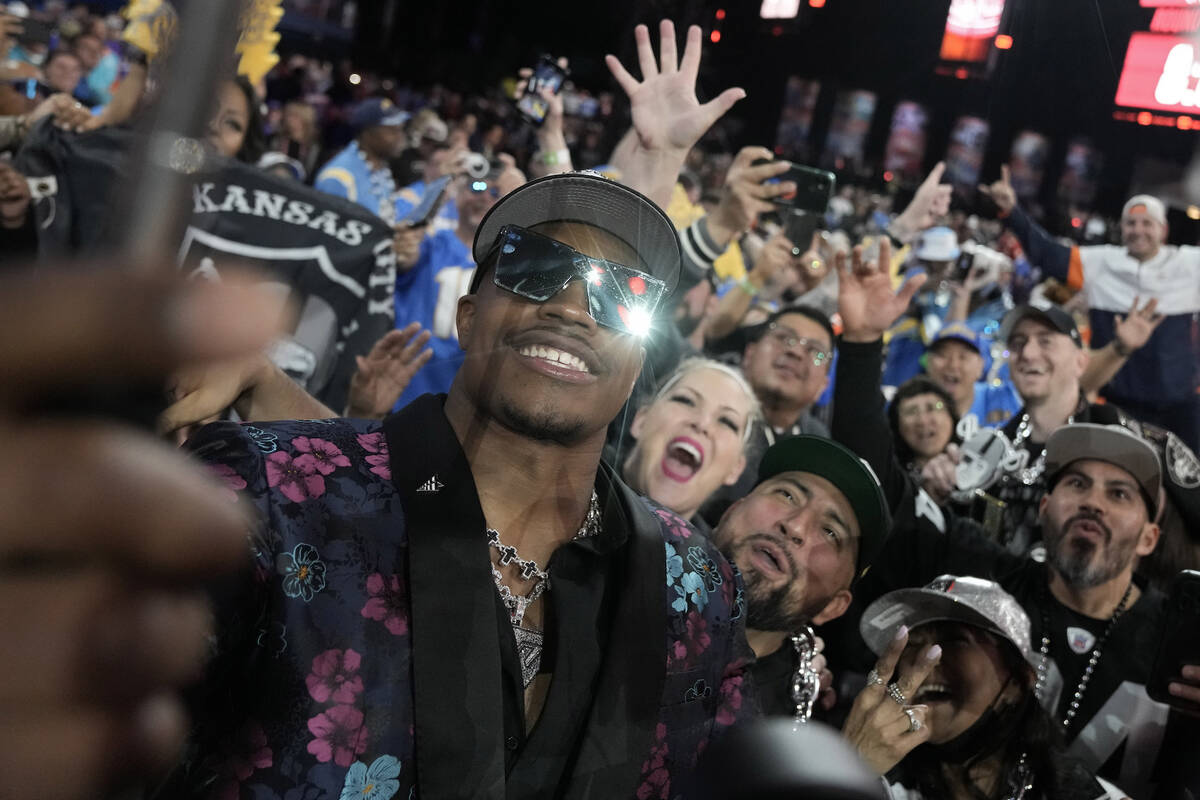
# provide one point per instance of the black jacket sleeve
(1043, 250)
(926, 540)
(860, 419)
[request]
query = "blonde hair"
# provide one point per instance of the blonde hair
(689, 365)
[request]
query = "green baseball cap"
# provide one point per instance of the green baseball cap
(853, 477)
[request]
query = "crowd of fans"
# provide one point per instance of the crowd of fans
(960, 448)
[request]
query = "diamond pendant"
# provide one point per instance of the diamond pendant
(529, 651)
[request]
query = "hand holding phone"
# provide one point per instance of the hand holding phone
(548, 75)
(430, 203)
(814, 188)
(1175, 677)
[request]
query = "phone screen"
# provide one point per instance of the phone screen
(546, 75)
(430, 202)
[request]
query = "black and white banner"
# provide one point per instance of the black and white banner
(328, 261)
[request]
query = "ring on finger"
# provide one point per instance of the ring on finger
(894, 692)
(914, 724)
(873, 678)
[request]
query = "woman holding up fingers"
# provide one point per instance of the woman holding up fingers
(951, 710)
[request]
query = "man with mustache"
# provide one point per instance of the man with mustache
(1097, 625)
(1160, 385)
(800, 538)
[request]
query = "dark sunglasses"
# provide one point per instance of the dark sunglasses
(538, 267)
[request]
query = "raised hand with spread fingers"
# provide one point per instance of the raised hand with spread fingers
(667, 117)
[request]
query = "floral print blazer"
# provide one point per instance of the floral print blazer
(359, 659)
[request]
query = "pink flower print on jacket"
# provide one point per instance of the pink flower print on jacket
(340, 735)
(386, 604)
(376, 444)
(335, 677)
(729, 706)
(318, 455)
(233, 482)
(656, 778)
(296, 480)
(241, 755)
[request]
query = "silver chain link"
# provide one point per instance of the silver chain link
(806, 681)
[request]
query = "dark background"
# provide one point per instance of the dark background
(1058, 79)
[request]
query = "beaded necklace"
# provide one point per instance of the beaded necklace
(1093, 660)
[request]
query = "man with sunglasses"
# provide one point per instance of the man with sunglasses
(429, 588)
(428, 288)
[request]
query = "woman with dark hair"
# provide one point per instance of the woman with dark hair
(951, 710)
(923, 420)
(236, 127)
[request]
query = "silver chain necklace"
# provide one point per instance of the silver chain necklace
(1021, 780)
(1029, 475)
(806, 681)
(1093, 660)
(529, 641)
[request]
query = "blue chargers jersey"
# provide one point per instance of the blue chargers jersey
(349, 175)
(428, 293)
(995, 403)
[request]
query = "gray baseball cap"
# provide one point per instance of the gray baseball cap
(949, 598)
(1115, 444)
(592, 199)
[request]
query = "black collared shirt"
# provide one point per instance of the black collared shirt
(580, 610)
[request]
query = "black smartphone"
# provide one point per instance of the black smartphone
(546, 75)
(431, 201)
(962, 267)
(814, 188)
(799, 227)
(35, 32)
(1179, 643)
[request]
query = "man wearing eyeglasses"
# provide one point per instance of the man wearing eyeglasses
(787, 363)
(430, 588)
(429, 286)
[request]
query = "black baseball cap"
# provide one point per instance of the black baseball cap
(590, 198)
(853, 477)
(1050, 314)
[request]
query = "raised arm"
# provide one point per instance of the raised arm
(1132, 332)
(868, 307)
(667, 117)
(1055, 260)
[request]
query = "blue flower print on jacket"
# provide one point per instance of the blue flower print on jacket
(376, 782)
(690, 587)
(303, 572)
(674, 564)
(705, 567)
(697, 690)
(267, 441)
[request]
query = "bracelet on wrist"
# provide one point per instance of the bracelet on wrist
(554, 158)
(748, 287)
(1120, 349)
